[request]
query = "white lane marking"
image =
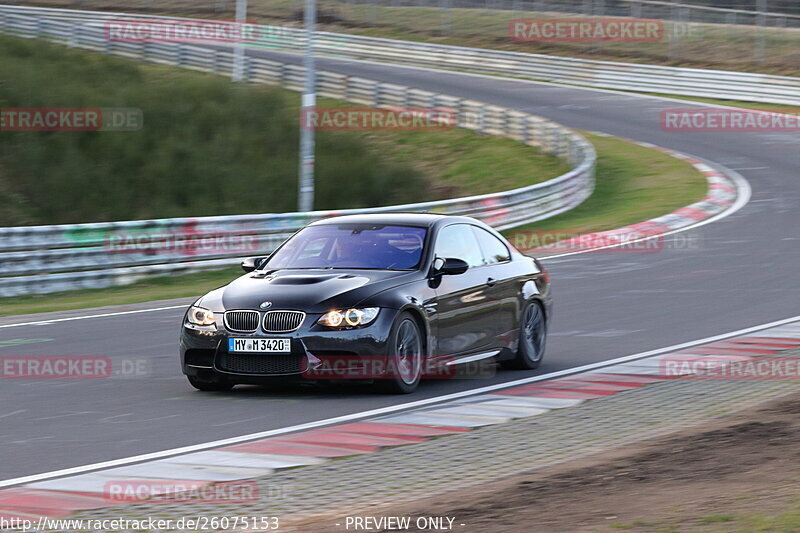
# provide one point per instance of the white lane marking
(65, 415)
(383, 410)
(103, 315)
(742, 198)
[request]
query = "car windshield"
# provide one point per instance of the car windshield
(352, 246)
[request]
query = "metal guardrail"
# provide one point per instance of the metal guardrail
(603, 74)
(43, 259)
(779, 15)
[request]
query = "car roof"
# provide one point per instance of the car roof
(413, 219)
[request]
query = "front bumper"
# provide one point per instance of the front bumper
(204, 352)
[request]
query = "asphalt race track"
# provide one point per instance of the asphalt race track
(607, 304)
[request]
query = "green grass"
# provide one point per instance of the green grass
(209, 148)
(466, 163)
(716, 518)
(787, 521)
(634, 184)
(783, 521)
(206, 147)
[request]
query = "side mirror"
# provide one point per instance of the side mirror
(252, 263)
(449, 266)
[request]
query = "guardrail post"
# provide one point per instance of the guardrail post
(247, 68)
(554, 137)
(73, 35)
(376, 94)
(481, 118)
(346, 88)
(462, 118)
(572, 154)
(215, 62)
(284, 73)
(526, 129)
(341, 85)
(181, 60)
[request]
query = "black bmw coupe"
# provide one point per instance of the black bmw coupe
(383, 297)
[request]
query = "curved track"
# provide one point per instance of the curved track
(608, 304)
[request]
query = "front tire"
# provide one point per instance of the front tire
(532, 339)
(208, 386)
(404, 362)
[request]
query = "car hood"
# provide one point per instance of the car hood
(312, 291)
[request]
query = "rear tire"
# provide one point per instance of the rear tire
(208, 386)
(405, 360)
(532, 339)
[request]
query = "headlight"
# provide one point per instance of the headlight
(348, 318)
(201, 316)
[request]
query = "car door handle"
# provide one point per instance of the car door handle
(491, 281)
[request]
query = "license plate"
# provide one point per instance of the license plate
(259, 345)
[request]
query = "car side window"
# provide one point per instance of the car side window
(459, 242)
(494, 251)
